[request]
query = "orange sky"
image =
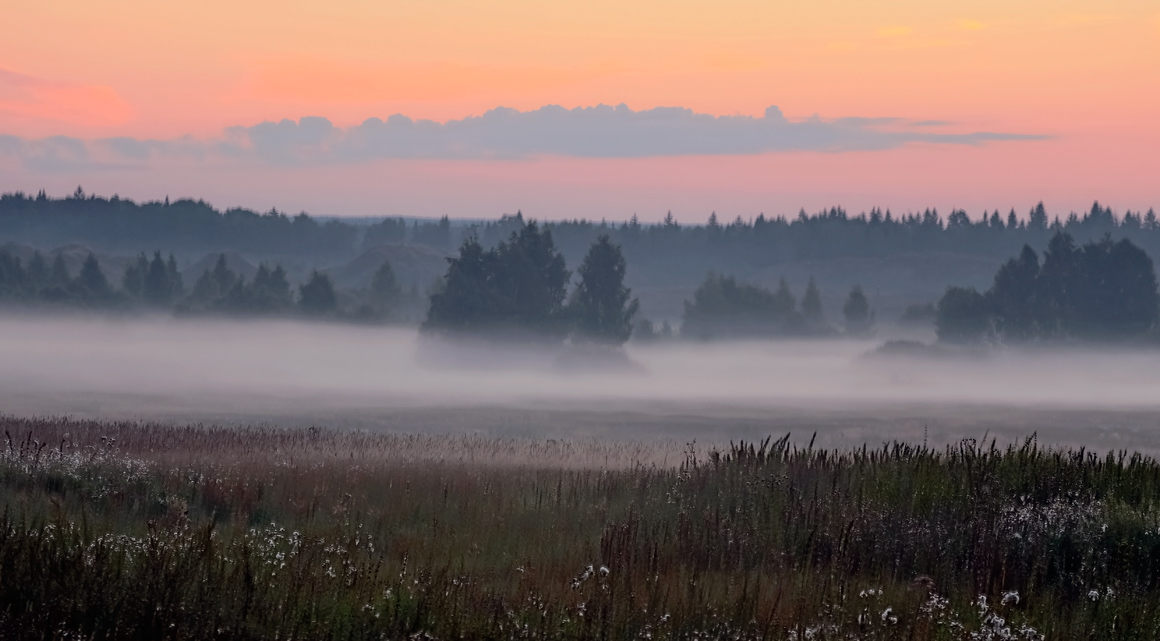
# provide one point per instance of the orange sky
(1085, 73)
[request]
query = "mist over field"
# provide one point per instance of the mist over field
(293, 373)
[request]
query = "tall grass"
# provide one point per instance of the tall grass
(139, 531)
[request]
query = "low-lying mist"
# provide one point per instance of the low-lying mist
(294, 373)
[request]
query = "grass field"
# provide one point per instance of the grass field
(140, 531)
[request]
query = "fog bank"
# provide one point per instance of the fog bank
(293, 373)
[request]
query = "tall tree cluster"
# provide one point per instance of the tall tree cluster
(722, 307)
(220, 289)
(40, 282)
(520, 287)
(1102, 290)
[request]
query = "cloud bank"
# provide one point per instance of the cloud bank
(586, 132)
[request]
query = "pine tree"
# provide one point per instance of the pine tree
(859, 316)
(783, 299)
(385, 288)
(963, 316)
(157, 288)
(812, 304)
(133, 282)
(602, 306)
(1013, 296)
(37, 271)
(59, 276)
(316, 296)
(91, 280)
(1037, 219)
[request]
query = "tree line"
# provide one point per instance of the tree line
(156, 283)
(520, 288)
(737, 246)
(1101, 290)
(724, 307)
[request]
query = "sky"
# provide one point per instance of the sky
(594, 109)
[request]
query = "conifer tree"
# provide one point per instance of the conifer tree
(859, 316)
(602, 306)
(91, 280)
(316, 296)
(812, 304)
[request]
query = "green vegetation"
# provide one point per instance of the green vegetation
(724, 308)
(1102, 290)
(519, 288)
(151, 531)
(39, 282)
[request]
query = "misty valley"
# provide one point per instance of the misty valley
(225, 424)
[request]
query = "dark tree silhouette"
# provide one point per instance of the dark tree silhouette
(1102, 290)
(518, 286)
(1013, 297)
(38, 272)
(91, 281)
(963, 316)
(464, 302)
(812, 304)
(59, 276)
(603, 308)
(316, 296)
(859, 317)
(722, 307)
(161, 285)
(385, 288)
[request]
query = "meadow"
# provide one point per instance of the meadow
(150, 531)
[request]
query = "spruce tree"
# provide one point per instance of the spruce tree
(603, 308)
(316, 296)
(812, 304)
(859, 316)
(385, 288)
(92, 280)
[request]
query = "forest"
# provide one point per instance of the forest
(511, 275)
(116, 224)
(1100, 290)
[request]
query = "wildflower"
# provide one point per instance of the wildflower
(888, 616)
(1010, 598)
(1094, 595)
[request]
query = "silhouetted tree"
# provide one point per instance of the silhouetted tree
(1103, 290)
(603, 308)
(270, 290)
(91, 281)
(812, 304)
(37, 272)
(133, 282)
(1056, 285)
(465, 300)
(384, 288)
(859, 316)
(963, 316)
(784, 299)
(1116, 295)
(162, 283)
(518, 285)
(316, 296)
(1014, 297)
(723, 307)
(1037, 219)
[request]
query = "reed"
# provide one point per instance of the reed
(144, 531)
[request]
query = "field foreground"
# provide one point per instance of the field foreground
(142, 531)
